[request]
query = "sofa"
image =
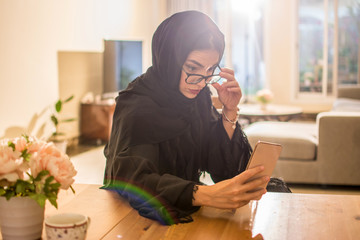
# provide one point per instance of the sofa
(326, 152)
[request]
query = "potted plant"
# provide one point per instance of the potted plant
(57, 136)
(32, 171)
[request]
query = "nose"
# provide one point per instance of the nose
(202, 83)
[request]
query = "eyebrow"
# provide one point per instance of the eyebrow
(199, 64)
(196, 63)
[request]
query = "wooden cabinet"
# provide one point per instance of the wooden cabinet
(96, 122)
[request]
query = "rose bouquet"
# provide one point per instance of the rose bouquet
(33, 168)
(264, 96)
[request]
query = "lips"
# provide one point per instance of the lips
(195, 92)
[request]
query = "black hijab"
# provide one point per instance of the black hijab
(152, 109)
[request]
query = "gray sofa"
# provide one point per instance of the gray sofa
(325, 152)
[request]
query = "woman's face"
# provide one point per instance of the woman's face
(198, 62)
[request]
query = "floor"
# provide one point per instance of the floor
(89, 161)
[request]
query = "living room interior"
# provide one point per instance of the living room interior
(51, 50)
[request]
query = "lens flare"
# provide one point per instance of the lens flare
(147, 204)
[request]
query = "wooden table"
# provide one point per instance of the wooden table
(276, 216)
(254, 112)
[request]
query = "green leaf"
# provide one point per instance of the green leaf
(31, 188)
(2, 191)
(68, 120)
(25, 155)
(9, 194)
(54, 120)
(49, 180)
(52, 200)
(39, 198)
(41, 175)
(58, 134)
(26, 138)
(69, 99)
(55, 186)
(58, 106)
(12, 145)
(20, 188)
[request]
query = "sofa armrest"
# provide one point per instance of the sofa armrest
(338, 147)
(352, 91)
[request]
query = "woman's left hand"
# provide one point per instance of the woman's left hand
(229, 92)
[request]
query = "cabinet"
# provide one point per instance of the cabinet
(96, 122)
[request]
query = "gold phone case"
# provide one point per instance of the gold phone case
(266, 154)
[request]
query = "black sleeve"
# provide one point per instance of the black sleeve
(133, 173)
(226, 157)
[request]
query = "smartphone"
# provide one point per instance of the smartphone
(266, 154)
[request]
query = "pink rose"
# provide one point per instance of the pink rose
(20, 143)
(45, 156)
(11, 163)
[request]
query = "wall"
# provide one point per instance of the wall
(34, 32)
(79, 73)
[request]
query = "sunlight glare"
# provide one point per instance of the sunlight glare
(246, 7)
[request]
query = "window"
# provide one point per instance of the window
(328, 45)
(247, 45)
(244, 34)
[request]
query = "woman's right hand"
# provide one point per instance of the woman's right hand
(232, 193)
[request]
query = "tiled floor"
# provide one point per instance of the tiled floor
(89, 161)
(90, 166)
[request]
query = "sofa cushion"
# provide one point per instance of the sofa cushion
(346, 104)
(299, 140)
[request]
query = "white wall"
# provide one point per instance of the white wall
(32, 33)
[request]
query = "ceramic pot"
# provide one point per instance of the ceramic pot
(21, 218)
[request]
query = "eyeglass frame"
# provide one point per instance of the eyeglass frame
(202, 77)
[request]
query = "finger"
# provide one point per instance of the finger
(216, 85)
(258, 194)
(231, 84)
(245, 202)
(227, 70)
(247, 174)
(256, 183)
(232, 88)
(245, 198)
(228, 76)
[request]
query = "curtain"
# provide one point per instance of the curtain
(205, 6)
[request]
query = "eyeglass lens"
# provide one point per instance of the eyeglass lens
(193, 79)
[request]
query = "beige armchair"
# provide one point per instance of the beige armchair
(325, 152)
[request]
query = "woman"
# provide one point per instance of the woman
(165, 131)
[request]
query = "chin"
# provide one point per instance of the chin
(190, 95)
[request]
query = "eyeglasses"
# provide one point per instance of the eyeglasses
(196, 78)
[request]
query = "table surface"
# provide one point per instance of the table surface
(275, 216)
(271, 110)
